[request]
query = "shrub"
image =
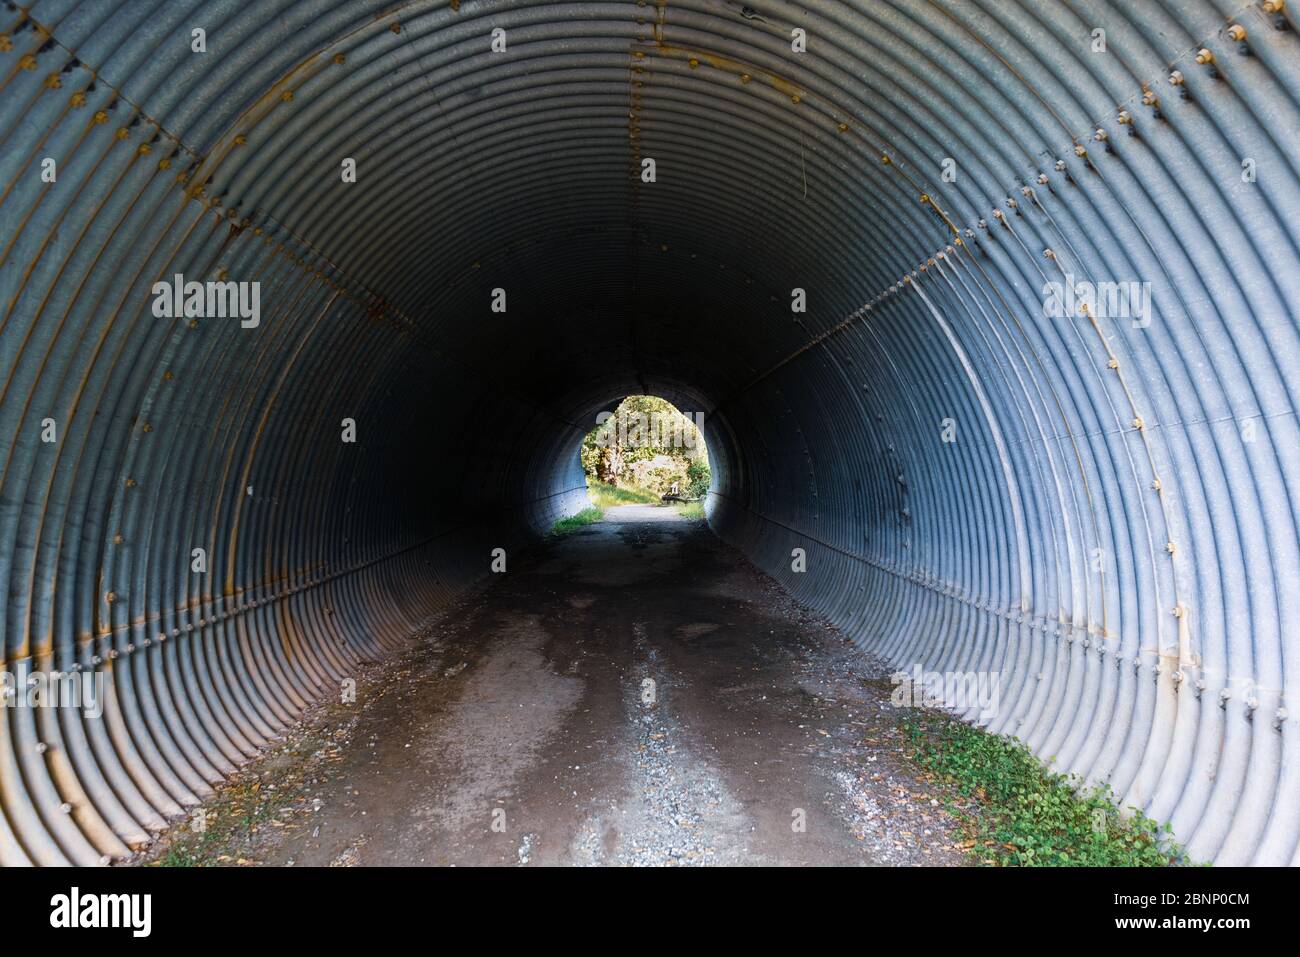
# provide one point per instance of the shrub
(698, 478)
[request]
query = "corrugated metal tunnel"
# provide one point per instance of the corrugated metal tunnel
(1100, 505)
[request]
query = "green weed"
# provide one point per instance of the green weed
(1027, 815)
(587, 516)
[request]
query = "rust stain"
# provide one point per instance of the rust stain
(232, 546)
(289, 632)
(281, 91)
(726, 64)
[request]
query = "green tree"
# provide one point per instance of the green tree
(697, 478)
(648, 430)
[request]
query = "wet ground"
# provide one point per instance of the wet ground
(633, 693)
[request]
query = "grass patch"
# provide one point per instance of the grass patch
(608, 496)
(1028, 816)
(587, 516)
(691, 510)
(232, 824)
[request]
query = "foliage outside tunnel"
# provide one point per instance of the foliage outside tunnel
(648, 448)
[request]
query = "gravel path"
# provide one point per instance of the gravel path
(632, 694)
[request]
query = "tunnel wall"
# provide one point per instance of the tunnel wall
(1098, 508)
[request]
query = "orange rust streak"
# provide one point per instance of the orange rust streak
(251, 117)
(257, 441)
(727, 65)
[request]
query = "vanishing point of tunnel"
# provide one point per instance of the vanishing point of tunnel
(988, 306)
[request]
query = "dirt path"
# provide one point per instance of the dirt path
(633, 693)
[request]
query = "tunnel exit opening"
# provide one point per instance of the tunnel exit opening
(645, 451)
